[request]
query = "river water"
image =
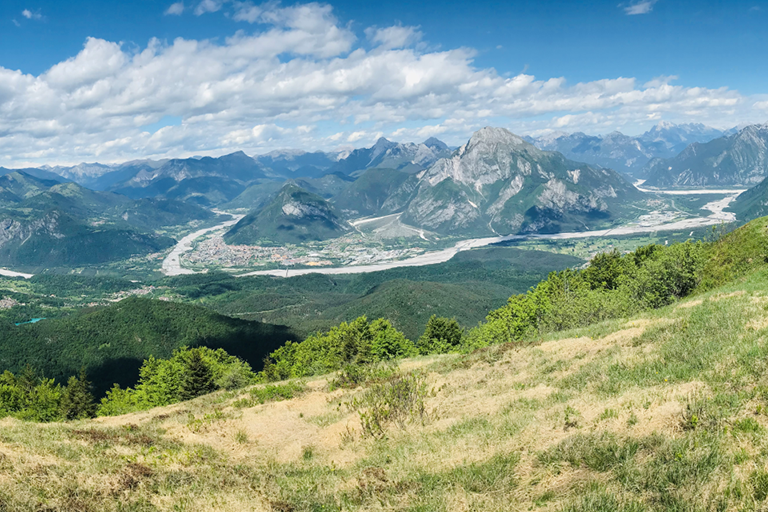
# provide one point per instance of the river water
(717, 216)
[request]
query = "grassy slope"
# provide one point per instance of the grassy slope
(596, 420)
(752, 203)
(663, 411)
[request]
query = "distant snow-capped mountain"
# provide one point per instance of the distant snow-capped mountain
(407, 157)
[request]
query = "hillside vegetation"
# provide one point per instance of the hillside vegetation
(111, 342)
(465, 287)
(293, 216)
(50, 224)
(657, 404)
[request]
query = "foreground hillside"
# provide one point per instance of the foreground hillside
(665, 409)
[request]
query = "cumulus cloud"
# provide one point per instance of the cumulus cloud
(247, 12)
(30, 15)
(639, 7)
(175, 9)
(301, 79)
(356, 136)
(208, 6)
(396, 36)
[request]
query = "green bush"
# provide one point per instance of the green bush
(34, 398)
(612, 286)
(77, 400)
(189, 373)
(270, 393)
(440, 336)
(356, 342)
(354, 375)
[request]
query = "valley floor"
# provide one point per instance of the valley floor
(646, 224)
(664, 411)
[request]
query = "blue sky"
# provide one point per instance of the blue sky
(88, 80)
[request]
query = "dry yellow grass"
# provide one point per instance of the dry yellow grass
(499, 401)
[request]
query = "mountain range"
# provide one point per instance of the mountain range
(625, 153)
(740, 159)
(49, 223)
(496, 183)
(192, 178)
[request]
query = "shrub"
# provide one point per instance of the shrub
(33, 398)
(187, 374)
(354, 375)
(612, 286)
(357, 342)
(440, 336)
(198, 377)
(398, 401)
(270, 393)
(77, 401)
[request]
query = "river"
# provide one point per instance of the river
(717, 216)
(172, 262)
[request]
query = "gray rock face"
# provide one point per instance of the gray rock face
(499, 183)
(406, 157)
(11, 230)
(301, 210)
(740, 159)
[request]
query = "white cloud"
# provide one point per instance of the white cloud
(392, 37)
(208, 6)
(356, 136)
(175, 9)
(639, 7)
(660, 81)
(246, 11)
(15, 22)
(301, 79)
(30, 15)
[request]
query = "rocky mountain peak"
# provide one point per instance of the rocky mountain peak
(434, 143)
(381, 146)
(490, 136)
(237, 155)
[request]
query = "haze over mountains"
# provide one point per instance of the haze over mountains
(626, 153)
(740, 159)
(632, 155)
